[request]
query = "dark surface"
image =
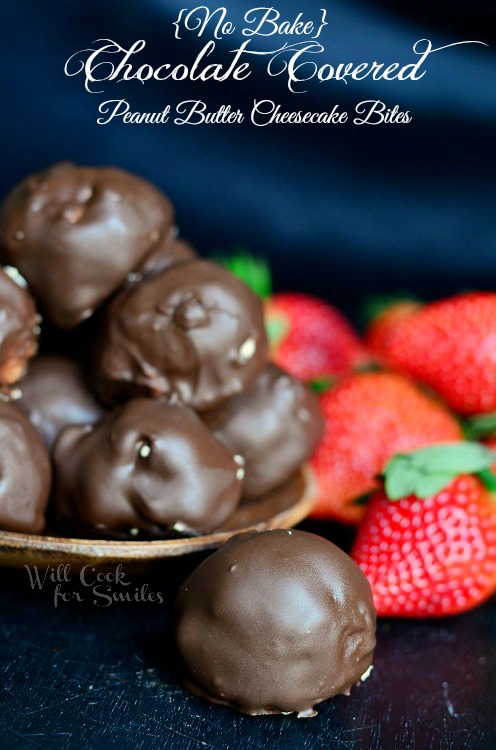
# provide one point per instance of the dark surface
(82, 676)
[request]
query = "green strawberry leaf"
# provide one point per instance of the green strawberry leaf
(377, 304)
(276, 327)
(426, 471)
(430, 484)
(453, 458)
(255, 272)
(483, 425)
(399, 477)
(323, 384)
(488, 479)
(369, 366)
(363, 499)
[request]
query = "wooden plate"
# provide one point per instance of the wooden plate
(284, 507)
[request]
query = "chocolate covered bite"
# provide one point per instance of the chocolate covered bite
(19, 328)
(167, 251)
(25, 473)
(55, 394)
(148, 466)
(76, 232)
(275, 425)
(275, 622)
(194, 330)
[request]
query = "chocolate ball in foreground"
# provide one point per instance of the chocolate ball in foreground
(19, 328)
(194, 330)
(148, 466)
(275, 622)
(76, 232)
(25, 473)
(275, 425)
(55, 394)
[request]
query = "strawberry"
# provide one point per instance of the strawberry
(308, 337)
(427, 543)
(370, 417)
(385, 316)
(449, 345)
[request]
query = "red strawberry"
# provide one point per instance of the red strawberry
(385, 318)
(451, 346)
(308, 337)
(433, 552)
(370, 417)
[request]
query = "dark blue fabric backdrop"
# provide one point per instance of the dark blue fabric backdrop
(341, 211)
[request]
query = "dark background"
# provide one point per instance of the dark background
(341, 211)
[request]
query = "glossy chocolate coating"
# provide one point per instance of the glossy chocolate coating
(167, 251)
(55, 394)
(274, 622)
(275, 425)
(147, 466)
(76, 232)
(19, 329)
(194, 330)
(25, 473)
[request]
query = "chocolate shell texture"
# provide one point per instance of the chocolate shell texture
(194, 330)
(19, 329)
(25, 473)
(146, 467)
(167, 251)
(275, 425)
(275, 622)
(55, 394)
(76, 232)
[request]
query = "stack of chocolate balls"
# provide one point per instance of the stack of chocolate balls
(166, 417)
(167, 414)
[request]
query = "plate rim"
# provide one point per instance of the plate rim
(12, 543)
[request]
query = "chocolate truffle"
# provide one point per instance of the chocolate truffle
(167, 251)
(19, 328)
(55, 394)
(275, 425)
(25, 473)
(194, 330)
(275, 622)
(148, 466)
(76, 232)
